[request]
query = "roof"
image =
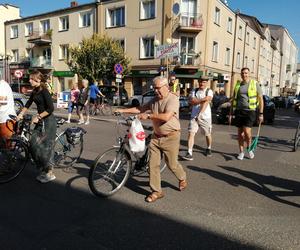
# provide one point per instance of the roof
(8, 4)
(64, 10)
(254, 23)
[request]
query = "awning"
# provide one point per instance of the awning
(63, 73)
(196, 75)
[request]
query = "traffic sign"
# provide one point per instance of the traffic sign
(118, 68)
(18, 73)
(119, 76)
(118, 80)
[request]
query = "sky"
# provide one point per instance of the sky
(282, 12)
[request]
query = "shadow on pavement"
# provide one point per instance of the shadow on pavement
(291, 187)
(51, 216)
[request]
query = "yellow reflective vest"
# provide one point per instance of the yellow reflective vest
(252, 94)
(174, 87)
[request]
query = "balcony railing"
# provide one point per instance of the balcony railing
(189, 22)
(39, 38)
(188, 60)
(41, 62)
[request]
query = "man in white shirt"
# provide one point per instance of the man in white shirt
(6, 108)
(200, 117)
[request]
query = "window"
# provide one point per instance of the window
(215, 51)
(45, 25)
(246, 61)
(14, 31)
(238, 60)
(116, 17)
(64, 52)
(217, 16)
(229, 25)
(188, 12)
(227, 56)
(147, 47)
(15, 54)
(247, 37)
(63, 23)
(254, 42)
(122, 43)
(29, 53)
(147, 9)
(28, 29)
(240, 35)
(85, 19)
(187, 53)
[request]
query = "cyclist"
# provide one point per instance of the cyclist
(43, 136)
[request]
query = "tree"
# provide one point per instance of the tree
(95, 58)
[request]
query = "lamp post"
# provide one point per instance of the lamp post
(168, 42)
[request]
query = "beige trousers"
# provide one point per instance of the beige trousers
(169, 146)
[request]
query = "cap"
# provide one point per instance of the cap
(204, 78)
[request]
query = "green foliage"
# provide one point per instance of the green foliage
(95, 58)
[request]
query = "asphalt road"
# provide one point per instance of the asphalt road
(229, 204)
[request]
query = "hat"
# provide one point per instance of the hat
(203, 78)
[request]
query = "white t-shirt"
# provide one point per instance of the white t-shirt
(206, 114)
(7, 106)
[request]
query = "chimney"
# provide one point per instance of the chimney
(74, 3)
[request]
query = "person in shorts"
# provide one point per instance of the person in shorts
(200, 117)
(73, 103)
(83, 102)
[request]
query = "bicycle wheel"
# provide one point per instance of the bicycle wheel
(65, 153)
(109, 172)
(13, 159)
(297, 138)
(106, 109)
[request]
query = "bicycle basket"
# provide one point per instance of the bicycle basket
(74, 135)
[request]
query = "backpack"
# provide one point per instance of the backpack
(81, 97)
(206, 94)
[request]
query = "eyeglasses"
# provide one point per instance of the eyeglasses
(173, 79)
(158, 88)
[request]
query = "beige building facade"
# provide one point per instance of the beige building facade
(41, 42)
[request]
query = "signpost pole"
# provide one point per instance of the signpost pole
(167, 58)
(19, 84)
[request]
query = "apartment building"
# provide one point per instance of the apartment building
(275, 68)
(7, 12)
(288, 47)
(42, 41)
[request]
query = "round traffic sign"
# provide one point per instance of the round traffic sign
(18, 73)
(118, 68)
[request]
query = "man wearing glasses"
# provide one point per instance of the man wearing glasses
(163, 111)
(174, 85)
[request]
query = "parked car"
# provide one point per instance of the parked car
(112, 94)
(138, 100)
(20, 101)
(25, 88)
(269, 111)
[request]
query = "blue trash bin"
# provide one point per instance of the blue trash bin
(66, 96)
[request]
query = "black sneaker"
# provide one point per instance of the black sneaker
(208, 152)
(188, 157)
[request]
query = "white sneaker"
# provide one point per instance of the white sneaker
(41, 176)
(241, 156)
(48, 177)
(87, 123)
(81, 122)
(251, 154)
(68, 121)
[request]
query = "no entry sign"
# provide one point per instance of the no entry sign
(18, 73)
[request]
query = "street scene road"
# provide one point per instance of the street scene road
(229, 204)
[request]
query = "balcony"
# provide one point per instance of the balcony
(41, 62)
(40, 39)
(189, 22)
(188, 60)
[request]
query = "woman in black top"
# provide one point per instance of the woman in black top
(43, 136)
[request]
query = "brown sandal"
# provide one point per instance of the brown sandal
(154, 196)
(182, 185)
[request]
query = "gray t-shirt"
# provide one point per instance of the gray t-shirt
(242, 96)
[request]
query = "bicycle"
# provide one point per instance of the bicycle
(111, 169)
(297, 138)
(15, 153)
(104, 108)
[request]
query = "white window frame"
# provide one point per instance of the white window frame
(64, 21)
(238, 60)
(64, 52)
(143, 13)
(14, 31)
(85, 19)
(187, 55)
(215, 51)
(254, 42)
(240, 34)
(42, 22)
(27, 30)
(246, 61)
(109, 15)
(229, 25)
(124, 42)
(227, 56)
(247, 37)
(29, 53)
(15, 53)
(217, 16)
(142, 47)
